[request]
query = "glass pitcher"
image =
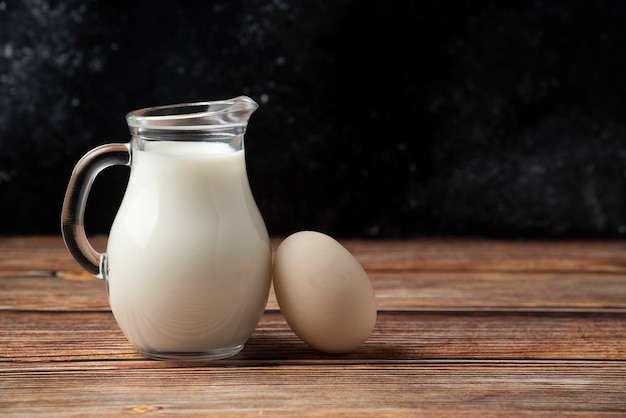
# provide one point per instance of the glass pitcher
(188, 259)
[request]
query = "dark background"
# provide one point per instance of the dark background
(377, 118)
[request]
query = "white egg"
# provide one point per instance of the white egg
(323, 292)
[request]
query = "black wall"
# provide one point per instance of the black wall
(378, 118)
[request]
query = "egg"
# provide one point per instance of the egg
(323, 292)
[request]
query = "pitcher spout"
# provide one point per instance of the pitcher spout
(239, 109)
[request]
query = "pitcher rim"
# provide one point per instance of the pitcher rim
(200, 115)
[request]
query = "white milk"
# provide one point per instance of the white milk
(188, 255)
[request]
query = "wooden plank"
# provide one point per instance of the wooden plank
(49, 293)
(48, 254)
(400, 336)
(37, 336)
(430, 388)
(436, 290)
(397, 336)
(432, 290)
(39, 255)
(490, 255)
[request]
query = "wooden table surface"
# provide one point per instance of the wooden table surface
(465, 328)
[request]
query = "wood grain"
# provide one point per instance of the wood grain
(434, 389)
(16, 255)
(465, 328)
(396, 336)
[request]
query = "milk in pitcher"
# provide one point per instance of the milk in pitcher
(188, 257)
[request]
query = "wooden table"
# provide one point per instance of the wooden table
(465, 327)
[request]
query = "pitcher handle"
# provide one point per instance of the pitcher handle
(73, 213)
